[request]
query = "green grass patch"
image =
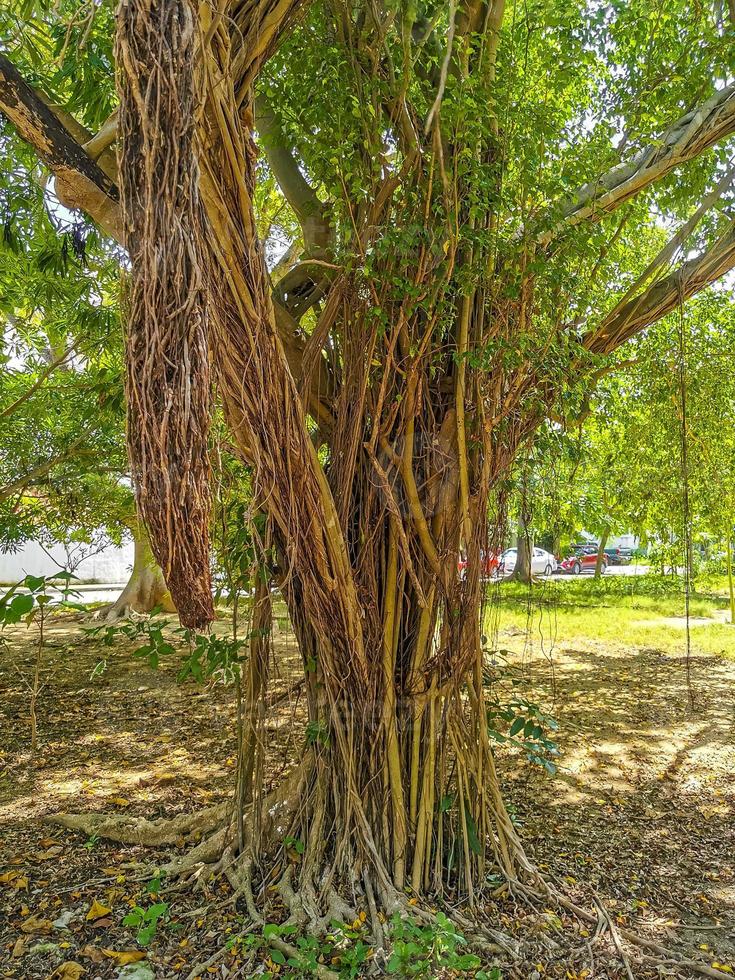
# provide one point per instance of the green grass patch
(636, 611)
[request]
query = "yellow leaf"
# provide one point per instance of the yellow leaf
(119, 801)
(125, 956)
(35, 925)
(97, 911)
(67, 971)
(9, 876)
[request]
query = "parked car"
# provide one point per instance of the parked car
(618, 556)
(542, 562)
(583, 559)
(490, 563)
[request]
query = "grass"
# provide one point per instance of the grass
(640, 612)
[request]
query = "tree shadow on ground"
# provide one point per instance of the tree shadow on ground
(643, 806)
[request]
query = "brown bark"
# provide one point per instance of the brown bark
(80, 181)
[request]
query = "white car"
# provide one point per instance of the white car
(542, 562)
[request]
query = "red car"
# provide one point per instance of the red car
(489, 569)
(582, 561)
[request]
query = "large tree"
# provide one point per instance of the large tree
(476, 185)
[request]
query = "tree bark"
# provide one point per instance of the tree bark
(523, 571)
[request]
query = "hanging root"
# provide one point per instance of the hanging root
(167, 358)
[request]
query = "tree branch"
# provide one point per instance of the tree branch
(685, 139)
(42, 470)
(663, 296)
(299, 193)
(42, 378)
(80, 182)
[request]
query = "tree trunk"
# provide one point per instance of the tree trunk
(146, 589)
(398, 784)
(600, 563)
(523, 571)
(730, 579)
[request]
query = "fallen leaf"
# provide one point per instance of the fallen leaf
(67, 971)
(47, 842)
(9, 876)
(119, 801)
(103, 923)
(20, 947)
(35, 926)
(125, 956)
(93, 953)
(49, 854)
(96, 911)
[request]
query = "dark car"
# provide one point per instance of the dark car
(618, 556)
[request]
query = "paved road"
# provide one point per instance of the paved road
(612, 570)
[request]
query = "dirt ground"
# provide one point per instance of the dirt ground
(640, 814)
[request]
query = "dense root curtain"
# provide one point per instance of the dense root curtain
(167, 380)
(399, 787)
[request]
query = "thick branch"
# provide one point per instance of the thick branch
(663, 296)
(80, 182)
(296, 189)
(687, 138)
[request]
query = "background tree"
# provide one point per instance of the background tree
(63, 464)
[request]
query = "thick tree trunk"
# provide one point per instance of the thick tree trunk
(397, 778)
(146, 589)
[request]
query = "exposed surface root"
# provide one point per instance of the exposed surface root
(603, 922)
(139, 830)
(313, 907)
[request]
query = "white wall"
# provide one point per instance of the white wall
(109, 565)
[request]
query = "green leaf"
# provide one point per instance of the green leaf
(517, 725)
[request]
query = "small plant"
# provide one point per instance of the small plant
(343, 948)
(428, 949)
(32, 604)
(132, 629)
(211, 656)
(146, 920)
(91, 843)
(523, 725)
